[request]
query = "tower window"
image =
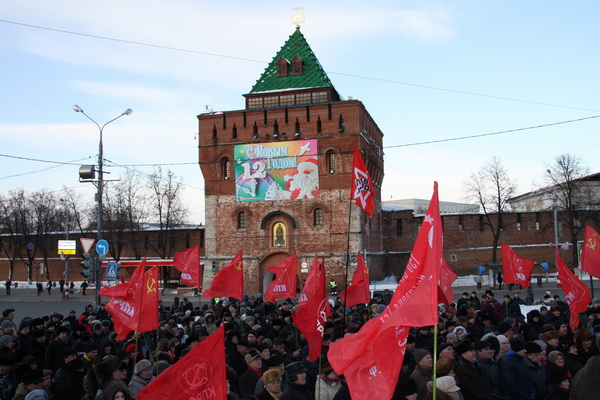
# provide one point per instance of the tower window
(399, 227)
(241, 220)
(319, 127)
(318, 217)
(330, 155)
(282, 67)
(297, 65)
(225, 168)
(234, 132)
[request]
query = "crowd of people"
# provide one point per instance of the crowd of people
(486, 349)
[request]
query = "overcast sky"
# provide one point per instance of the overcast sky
(425, 70)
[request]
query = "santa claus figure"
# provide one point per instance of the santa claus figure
(305, 183)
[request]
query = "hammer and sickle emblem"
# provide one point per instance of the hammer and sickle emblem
(238, 265)
(151, 285)
(591, 243)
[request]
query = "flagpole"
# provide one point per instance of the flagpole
(435, 341)
(347, 261)
(319, 378)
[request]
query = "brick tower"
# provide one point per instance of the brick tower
(278, 174)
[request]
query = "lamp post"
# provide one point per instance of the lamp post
(66, 292)
(99, 195)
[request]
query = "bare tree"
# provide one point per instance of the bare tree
(491, 187)
(79, 212)
(166, 209)
(576, 198)
(125, 211)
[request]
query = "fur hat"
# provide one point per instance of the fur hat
(6, 324)
(271, 375)
(462, 347)
(419, 354)
(481, 344)
(533, 348)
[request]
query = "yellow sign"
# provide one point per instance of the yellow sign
(67, 251)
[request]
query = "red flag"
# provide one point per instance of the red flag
(200, 374)
(516, 269)
(371, 359)
(358, 292)
(285, 283)
(576, 292)
(313, 309)
(229, 282)
(188, 262)
(139, 297)
(126, 288)
(447, 278)
(362, 186)
(146, 302)
(590, 253)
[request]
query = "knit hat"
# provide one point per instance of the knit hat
(37, 394)
(443, 347)
(5, 339)
(91, 347)
(504, 327)
(517, 344)
(447, 384)
(419, 354)
(6, 324)
(141, 366)
(252, 355)
(502, 339)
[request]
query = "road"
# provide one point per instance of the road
(27, 303)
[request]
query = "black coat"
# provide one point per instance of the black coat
(514, 378)
(297, 392)
(475, 383)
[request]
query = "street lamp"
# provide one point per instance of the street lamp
(78, 109)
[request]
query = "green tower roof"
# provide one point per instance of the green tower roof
(312, 75)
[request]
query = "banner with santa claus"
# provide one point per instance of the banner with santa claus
(286, 170)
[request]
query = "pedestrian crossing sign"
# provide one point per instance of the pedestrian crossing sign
(112, 270)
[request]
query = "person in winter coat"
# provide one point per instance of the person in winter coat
(249, 378)
(272, 385)
(423, 371)
(514, 377)
(475, 383)
(327, 384)
(586, 384)
(297, 388)
(70, 386)
(446, 389)
(531, 331)
(537, 371)
(142, 376)
(559, 386)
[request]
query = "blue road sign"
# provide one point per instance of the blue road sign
(111, 270)
(102, 247)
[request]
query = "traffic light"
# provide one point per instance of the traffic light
(214, 266)
(88, 265)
